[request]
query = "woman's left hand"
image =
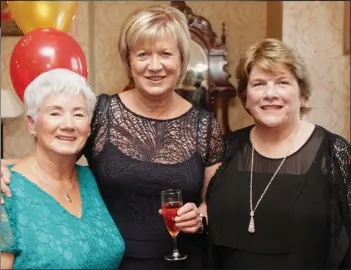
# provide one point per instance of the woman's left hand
(188, 219)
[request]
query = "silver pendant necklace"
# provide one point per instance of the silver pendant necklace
(41, 179)
(65, 193)
(251, 228)
(67, 197)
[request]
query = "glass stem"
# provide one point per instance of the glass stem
(175, 247)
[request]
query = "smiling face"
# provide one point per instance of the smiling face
(156, 66)
(62, 125)
(273, 98)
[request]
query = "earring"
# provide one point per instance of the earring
(33, 133)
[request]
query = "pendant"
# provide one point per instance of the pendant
(252, 223)
(67, 197)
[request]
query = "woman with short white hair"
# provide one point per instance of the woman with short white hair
(56, 218)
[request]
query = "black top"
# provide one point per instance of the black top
(134, 158)
(292, 219)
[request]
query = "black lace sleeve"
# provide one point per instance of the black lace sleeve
(341, 178)
(99, 125)
(215, 143)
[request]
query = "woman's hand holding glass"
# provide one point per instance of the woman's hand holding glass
(188, 218)
(178, 217)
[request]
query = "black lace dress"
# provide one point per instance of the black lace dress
(292, 220)
(134, 158)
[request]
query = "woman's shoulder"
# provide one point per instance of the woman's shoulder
(23, 193)
(233, 136)
(19, 182)
(335, 141)
(86, 177)
(206, 117)
(84, 172)
(103, 100)
(340, 150)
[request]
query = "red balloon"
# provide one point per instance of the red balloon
(42, 50)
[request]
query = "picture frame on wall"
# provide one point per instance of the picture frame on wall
(8, 25)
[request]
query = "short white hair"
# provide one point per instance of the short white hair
(57, 81)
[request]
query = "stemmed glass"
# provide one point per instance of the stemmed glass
(171, 201)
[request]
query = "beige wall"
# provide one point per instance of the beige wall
(17, 141)
(317, 35)
(97, 27)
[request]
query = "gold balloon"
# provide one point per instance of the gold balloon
(30, 15)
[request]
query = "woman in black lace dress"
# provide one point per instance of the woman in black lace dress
(150, 139)
(282, 197)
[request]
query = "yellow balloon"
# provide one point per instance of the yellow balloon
(30, 15)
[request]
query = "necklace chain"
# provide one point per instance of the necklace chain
(251, 228)
(41, 179)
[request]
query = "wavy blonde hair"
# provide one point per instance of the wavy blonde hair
(150, 24)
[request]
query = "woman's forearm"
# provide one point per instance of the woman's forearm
(203, 209)
(7, 260)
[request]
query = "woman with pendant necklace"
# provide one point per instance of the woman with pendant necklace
(56, 218)
(281, 198)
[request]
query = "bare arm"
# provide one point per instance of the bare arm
(209, 172)
(216, 147)
(7, 260)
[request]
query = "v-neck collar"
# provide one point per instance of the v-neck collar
(42, 191)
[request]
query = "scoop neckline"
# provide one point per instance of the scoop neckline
(153, 119)
(288, 156)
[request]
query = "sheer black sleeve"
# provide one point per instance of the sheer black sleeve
(340, 168)
(99, 126)
(215, 143)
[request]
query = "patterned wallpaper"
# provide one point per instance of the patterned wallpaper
(98, 23)
(318, 36)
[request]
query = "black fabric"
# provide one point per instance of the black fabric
(102, 105)
(133, 158)
(298, 224)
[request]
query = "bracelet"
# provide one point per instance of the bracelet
(203, 227)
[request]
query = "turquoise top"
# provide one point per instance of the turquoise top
(43, 234)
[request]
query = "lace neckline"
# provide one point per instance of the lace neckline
(153, 119)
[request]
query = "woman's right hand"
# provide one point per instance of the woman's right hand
(5, 181)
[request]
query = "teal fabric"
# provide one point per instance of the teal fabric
(44, 235)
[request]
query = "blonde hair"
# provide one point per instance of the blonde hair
(152, 23)
(266, 55)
